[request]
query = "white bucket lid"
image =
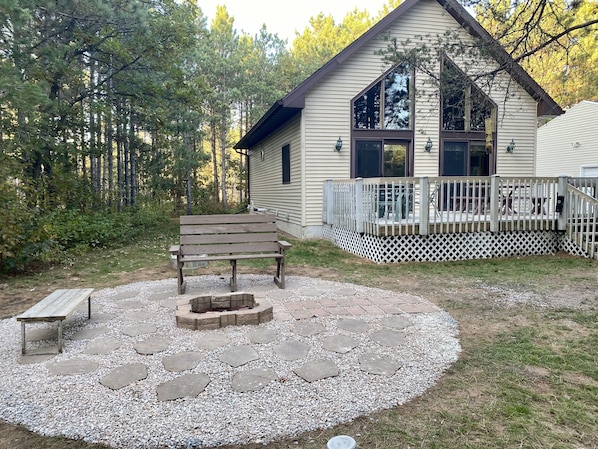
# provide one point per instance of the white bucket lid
(341, 442)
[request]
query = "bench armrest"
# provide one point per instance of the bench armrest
(284, 245)
(174, 249)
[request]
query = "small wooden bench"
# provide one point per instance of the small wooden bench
(205, 238)
(56, 307)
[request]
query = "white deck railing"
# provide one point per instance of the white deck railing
(399, 206)
(581, 213)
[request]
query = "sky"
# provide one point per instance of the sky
(284, 17)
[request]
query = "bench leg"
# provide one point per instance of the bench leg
(23, 344)
(279, 279)
(233, 279)
(60, 336)
(180, 282)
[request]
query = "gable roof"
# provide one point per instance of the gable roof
(294, 101)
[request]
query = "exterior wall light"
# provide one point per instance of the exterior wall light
(428, 146)
(511, 146)
(339, 144)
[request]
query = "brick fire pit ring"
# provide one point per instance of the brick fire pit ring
(208, 312)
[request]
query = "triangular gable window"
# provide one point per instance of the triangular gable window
(465, 107)
(387, 104)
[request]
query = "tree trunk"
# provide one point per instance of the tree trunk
(213, 140)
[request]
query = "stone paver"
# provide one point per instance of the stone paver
(124, 375)
(212, 341)
(353, 325)
(152, 345)
(291, 350)
(182, 361)
(253, 380)
(317, 370)
(239, 355)
(376, 364)
(309, 292)
(72, 366)
(388, 337)
(396, 322)
(140, 329)
(262, 336)
(189, 385)
(89, 333)
(309, 329)
(103, 345)
(339, 343)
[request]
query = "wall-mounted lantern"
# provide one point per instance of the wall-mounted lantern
(511, 146)
(339, 144)
(428, 146)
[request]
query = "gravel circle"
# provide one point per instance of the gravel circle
(77, 406)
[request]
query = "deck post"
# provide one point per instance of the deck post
(563, 217)
(329, 201)
(494, 203)
(359, 205)
(424, 205)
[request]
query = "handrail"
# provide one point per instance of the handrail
(582, 223)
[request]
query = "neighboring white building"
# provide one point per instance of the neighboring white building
(568, 145)
(395, 120)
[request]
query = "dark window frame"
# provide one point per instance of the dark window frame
(384, 136)
(377, 116)
(381, 161)
(286, 163)
(471, 137)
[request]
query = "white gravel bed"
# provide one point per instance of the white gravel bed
(79, 407)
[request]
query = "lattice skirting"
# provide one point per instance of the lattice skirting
(571, 247)
(444, 247)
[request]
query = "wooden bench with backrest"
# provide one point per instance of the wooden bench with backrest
(55, 307)
(205, 238)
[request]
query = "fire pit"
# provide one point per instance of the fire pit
(215, 311)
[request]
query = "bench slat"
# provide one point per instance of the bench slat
(227, 219)
(235, 257)
(237, 228)
(201, 239)
(232, 248)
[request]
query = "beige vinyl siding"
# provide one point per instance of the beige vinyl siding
(517, 122)
(569, 142)
(327, 114)
(267, 189)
